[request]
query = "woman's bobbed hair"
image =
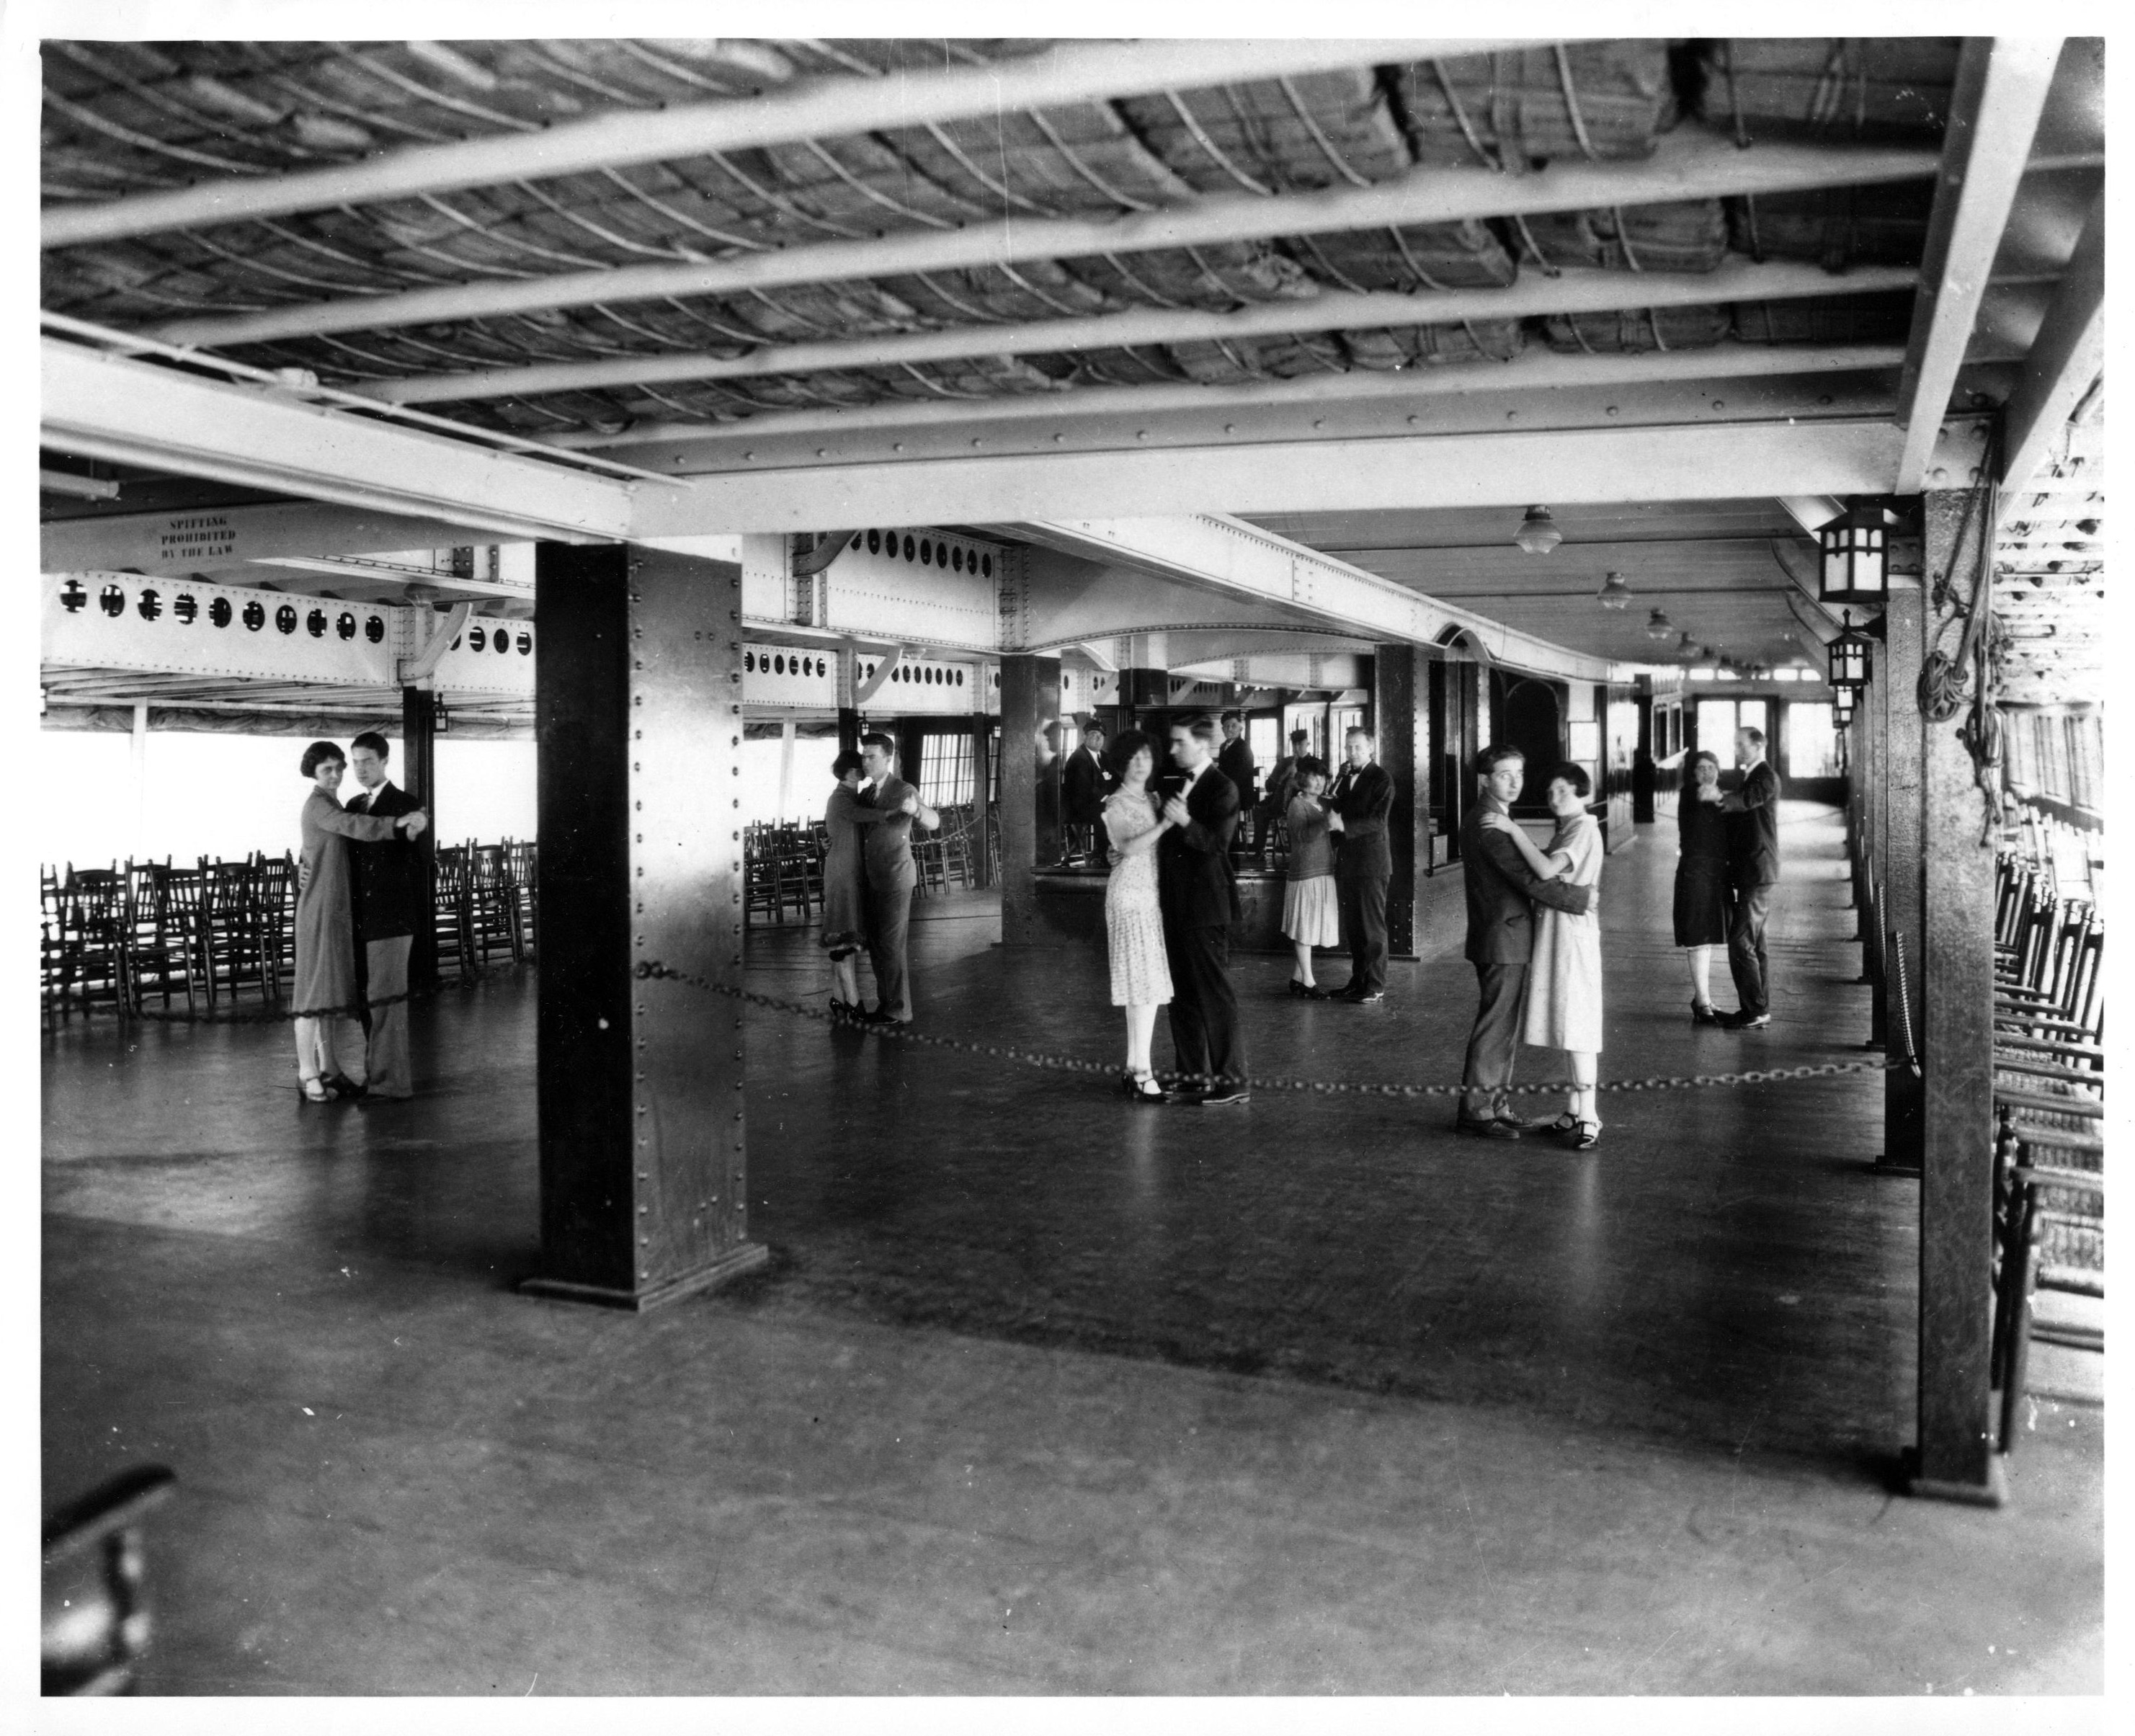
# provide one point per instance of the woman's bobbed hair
(848, 761)
(1120, 749)
(319, 754)
(1690, 768)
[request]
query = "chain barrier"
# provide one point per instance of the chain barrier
(652, 970)
(264, 1015)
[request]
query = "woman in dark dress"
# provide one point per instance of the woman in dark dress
(1700, 879)
(842, 922)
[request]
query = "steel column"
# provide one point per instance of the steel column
(1956, 1456)
(983, 818)
(419, 777)
(638, 716)
(1029, 824)
(1901, 932)
(1400, 689)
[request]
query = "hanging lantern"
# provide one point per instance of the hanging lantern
(1842, 706)
(1658, 626)
(1850, 663)
(1613, 594)
(1857, 547)
(1685, 648)
(1538, 534)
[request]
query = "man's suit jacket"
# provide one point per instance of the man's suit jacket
(886, 845)
(1196, 886)
(387, 896)
(1234, 761)
(1364, 799)
(1503, 892)
(1083, 791)
(1752, 810)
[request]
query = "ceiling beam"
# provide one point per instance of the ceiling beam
(1241, 561)
(2001, 86)
(827, 108)
(1537, 369)
(168, 543)
(1575, 290)
(1812, 511)
(1848, 455)
(1690, 163)
(1803, 573)
(2068, 354)
(136, 413)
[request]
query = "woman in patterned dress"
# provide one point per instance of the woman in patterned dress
(1141, 979)
(1564, 976)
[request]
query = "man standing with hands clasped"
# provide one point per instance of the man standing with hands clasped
(888, 809)
(387, 898)
(1197, 896)
(1362, 797)
(1753, 869)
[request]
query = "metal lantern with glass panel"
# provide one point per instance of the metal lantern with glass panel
(1856, 546)
(1842, 707)
(1849, 658)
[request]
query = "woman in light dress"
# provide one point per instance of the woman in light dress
(842, 922)
(1311, 908)
(1564, 976)
(1134, 929)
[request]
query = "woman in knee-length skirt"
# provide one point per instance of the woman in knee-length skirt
(1311, 908)
(1134, 929)
(1564, 975)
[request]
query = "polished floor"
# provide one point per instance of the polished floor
(1043, 1393)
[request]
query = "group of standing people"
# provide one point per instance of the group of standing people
(869, 878)
(361, 892)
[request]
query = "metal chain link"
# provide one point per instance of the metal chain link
(263, 1015)
(653, 970)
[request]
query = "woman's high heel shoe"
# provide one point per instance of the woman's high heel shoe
(1703, 1013)
(1141, 1087)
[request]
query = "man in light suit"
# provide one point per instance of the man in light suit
(1502, 895)
(1197, 896)
(388, 895)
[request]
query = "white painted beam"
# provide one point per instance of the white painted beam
(2066, 357)
(2001, 86)
(136, 413)
(1209, 551)
(1689, 163)
(829, 107)
(1842, 456)
(1536, 369)
(1812, 511)
(211, 538)
(1575, 290)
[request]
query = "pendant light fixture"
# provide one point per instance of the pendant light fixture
(1658, 626)
(1615, 593)
(1849, 656)
(1538, 533)
(1856, 548)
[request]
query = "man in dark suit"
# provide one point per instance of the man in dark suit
(1752, 809)
(1502, 894)
(1197, 894)
(388, 896)
(1362, 797)
(1234, 759)
(1083, 787)
(888, 810)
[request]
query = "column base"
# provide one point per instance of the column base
(1994, 1492)
(1884, 1165)
(742, 1257)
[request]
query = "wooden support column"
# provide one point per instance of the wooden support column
(983, 817)
(1956, 1456)
(637, 713)
(1030, 826)
(1399, 691)
(417, 773)
(1903, 937)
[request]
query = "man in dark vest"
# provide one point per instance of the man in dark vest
(1362, 797)
(1502, 895)
(1752, 809)
(387, 899)
(1197, 896)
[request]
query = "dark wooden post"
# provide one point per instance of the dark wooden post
(1956, 1456)
(1400, 687)
(638, 710)
(1902, 940)
(419, 777)
(1029, 824)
